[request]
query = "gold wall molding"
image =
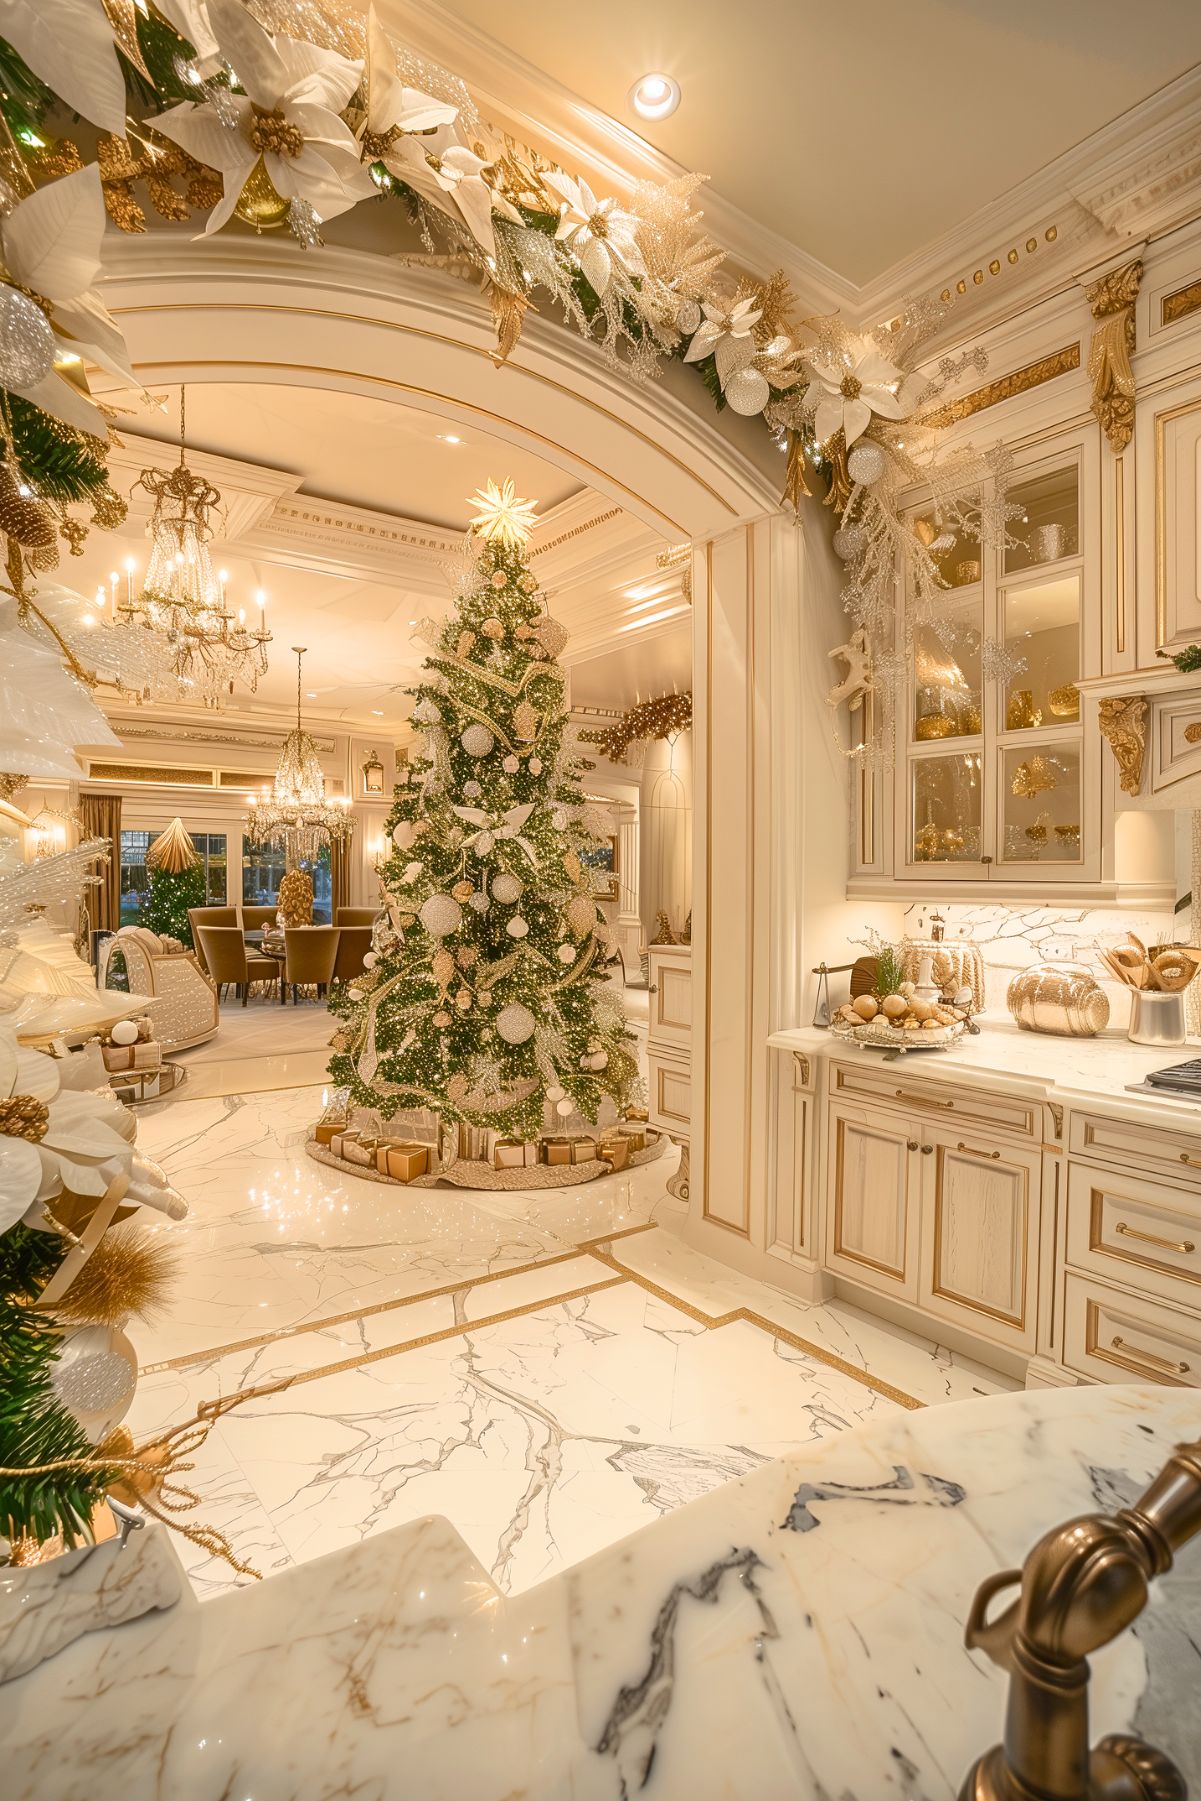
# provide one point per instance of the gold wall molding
(1119, 540)
(1111, 302)
(1180, 304)
(1019, 381)
(1123, 723)
(140, 772)
(577, 531)
(241, 740)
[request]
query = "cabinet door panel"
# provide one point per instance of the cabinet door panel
(869, 1231)
(980, 1239)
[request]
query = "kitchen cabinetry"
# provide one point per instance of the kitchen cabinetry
(669, 1050)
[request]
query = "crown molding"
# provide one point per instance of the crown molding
(249, 491)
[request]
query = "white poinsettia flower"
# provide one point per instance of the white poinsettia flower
(69, 45)
(392, 108)
(65, 1139)
(50, 243)
(731, 325)
(286, 115)
(453, 178)
(599, 233)
(849, 388)
(191, 20)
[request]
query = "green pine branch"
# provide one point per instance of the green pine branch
(65, 470)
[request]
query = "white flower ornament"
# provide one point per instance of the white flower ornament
(848, 389)
(746, 369)
(50, 1139)
(286, 115)
(599, 233)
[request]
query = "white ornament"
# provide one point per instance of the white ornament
(472, 790)
(535, 765)
(26, 341)
(485, 844)
(410, 873)
(370, 959)
(688, 317)
(441, 914)
(554, 1092)
(865, 464)
(747, 392)
(478, 902)
(476, 740)
(404, 834)
(94, 1377)
(559, 821)
(564, 1108)
(566, 953)
(600, 1060)
(125, 1032)
(510, 765)
(427, 712)
(517, 927)
(848, 541)
(515, 1023)
(506, 888)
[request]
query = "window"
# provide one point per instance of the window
(135, 879)
(262, 872)
(134, 846)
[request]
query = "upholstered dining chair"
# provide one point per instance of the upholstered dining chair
(353, 945)
(255, 918)
(310, 953)
(209, 916)
(229, 963)
(356, 916)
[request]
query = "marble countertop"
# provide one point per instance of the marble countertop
(1074, 1070)
(797, 1633)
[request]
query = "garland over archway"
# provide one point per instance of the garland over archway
(292, 112)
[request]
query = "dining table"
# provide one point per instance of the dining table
(269, 945)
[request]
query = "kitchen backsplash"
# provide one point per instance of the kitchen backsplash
(1011, 938)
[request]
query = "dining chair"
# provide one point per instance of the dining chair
(356, 916)
(255, 918)
(228, 961)
(310, 953)
(208, 916)
(353, 945)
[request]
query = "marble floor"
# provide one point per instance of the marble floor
(548, 1370)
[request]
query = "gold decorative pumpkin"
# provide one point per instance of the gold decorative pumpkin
(1058, 998)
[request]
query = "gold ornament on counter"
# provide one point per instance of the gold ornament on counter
(1062, 999)
(1020, 713)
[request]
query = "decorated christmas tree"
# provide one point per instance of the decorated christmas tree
(176, 882)
(486, 999)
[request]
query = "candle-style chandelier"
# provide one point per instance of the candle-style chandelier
(210, 647)
(294, 812)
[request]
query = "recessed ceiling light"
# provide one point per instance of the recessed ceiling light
(412, 622)
(450, 437)
(655, 96)
(311, 694)
(377, 712)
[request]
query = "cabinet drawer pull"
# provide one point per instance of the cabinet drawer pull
(927, 1149)
(912, 1143)
(1149, 1357)
(995, 1155)
(1193, 1162)
(1184, 1248)
(921, 1100)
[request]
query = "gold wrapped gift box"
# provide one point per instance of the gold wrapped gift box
(634, 1135)
(514, 1153)
(561, 1150)
(614, 1151)
(141, 1055)
(402, 1158)
(326, 1130)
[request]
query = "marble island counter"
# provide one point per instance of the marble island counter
(1064, 1069)
(797, 1633)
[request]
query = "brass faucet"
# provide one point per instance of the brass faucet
(1081, 1585)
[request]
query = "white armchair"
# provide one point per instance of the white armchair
(186, 1010)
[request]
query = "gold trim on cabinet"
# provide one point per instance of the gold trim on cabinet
(1153, 1365)
(949, 1294)
(1161, 519)
(661, 1107)
(1020, 381)
(840, 1250)
(751, 596)
(1119, 535)
(867, 788)
(1098, 1246)
(1180, 304)
(802, 1067)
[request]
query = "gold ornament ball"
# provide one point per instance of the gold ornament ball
(492, 628)
(499, 579)
(260, 203)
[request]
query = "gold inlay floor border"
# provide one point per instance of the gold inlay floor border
(597, 1250)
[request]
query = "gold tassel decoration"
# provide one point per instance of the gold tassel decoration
(796, 487)
(130, 1272)
(835, 453)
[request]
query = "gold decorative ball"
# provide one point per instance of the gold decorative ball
(499, 579)
(492, 628)
(935, 725)
(260, 203)
(1065, 702)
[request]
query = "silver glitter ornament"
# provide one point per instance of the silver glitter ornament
(865, 463)
(848, 542)
(515, 1023)
(477, 740)
(506, 888)
(26, 340)
(441, 914)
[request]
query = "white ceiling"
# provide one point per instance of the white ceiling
(859, 134)
(348, 513)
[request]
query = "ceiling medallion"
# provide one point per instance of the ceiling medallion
(294, 812)
(209, 648)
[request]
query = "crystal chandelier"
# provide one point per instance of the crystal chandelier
(209, 648)
(294, 812)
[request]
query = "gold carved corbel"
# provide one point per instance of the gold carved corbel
(1123, 723)
(1111, 302)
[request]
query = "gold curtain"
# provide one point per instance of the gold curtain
(101, 814)
(339, 877)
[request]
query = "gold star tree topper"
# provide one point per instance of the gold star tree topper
(502, 518)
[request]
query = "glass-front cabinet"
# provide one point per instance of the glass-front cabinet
(994, 780)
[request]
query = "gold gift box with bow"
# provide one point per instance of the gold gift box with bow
(514, 1153)
(402, 1158)
(561, 1150)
